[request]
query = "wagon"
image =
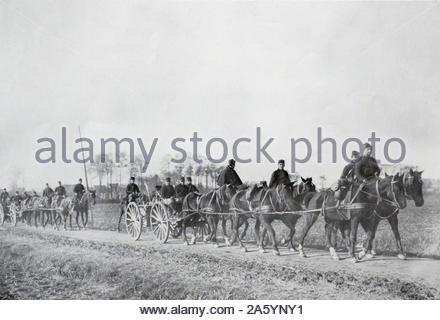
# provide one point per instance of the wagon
(160, 216)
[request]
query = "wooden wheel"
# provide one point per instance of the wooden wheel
(159, 222)
(133, 220)
(2, 215)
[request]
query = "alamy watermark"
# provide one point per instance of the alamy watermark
(47, 149)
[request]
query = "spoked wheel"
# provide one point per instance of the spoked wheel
(133, 220)
(159, 222)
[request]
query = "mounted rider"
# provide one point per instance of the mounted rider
(17, 198)
(60, 193)
(48, 193)
(367, 166)
(4, 196)
(26, 198)
(279, 176)
(347, 178)
(78, 191)
(132, 191)
(190, 186)
(229, 175)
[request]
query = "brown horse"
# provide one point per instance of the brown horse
(208, 206)
(81, 207)
(267, 205)
(365, 200)
(407, 186)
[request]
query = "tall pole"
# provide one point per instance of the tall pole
(85, 170)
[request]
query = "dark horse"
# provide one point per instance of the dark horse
(81, 206)
(366, 199)
(207, 206)
(267, 205)
(407, 185)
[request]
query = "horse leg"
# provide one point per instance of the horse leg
(77, 219)
(120, 218)
(86, 218)
(268, 226)
(225, 234)
(354, 225)
(246, 226)
(331, 230)
(185, 240)
(394, 223)
(214, 221)
(310, 220)
(290, 222)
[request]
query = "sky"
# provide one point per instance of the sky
(165, 69)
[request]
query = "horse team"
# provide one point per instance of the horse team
(373, 200)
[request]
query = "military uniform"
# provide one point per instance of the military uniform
(167, 191)
(229, 176)
(60, 192)
(4, 196)
(191, 188)
(181, 190)
(366, 167)
(48, 193)
(279, 176)
(131, 190)
(79, 190)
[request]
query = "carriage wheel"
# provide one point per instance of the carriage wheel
(133, 220)
(2, 215)
(159, 222)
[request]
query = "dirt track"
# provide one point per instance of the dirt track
(318, 276)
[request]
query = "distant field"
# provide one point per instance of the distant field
(419, 228)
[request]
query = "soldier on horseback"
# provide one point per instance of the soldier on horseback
(26, 198)
(229, 175)
(78, 190)
(132, 191)
(48, 193)
(347, 178)
(60, 192)
(279, 176)
(367, 166)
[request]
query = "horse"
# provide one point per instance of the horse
(207, 205)
(365, 200)
(264, 203)
(409, 186)
(81, 207)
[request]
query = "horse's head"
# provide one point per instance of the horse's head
(306, 185)
(395, 190)
(413, 184)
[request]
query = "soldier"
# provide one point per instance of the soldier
(4, 196)
(60, 193)
(190, 186)
(79, 190)
(279, 176)
(229, 175)
(132, 190)
(346, 178)
(26, 198)
(181, 189)
(167, 190)
(17, 198)
(48, 193)
(367, 166)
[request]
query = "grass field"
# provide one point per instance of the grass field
(419, 228)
